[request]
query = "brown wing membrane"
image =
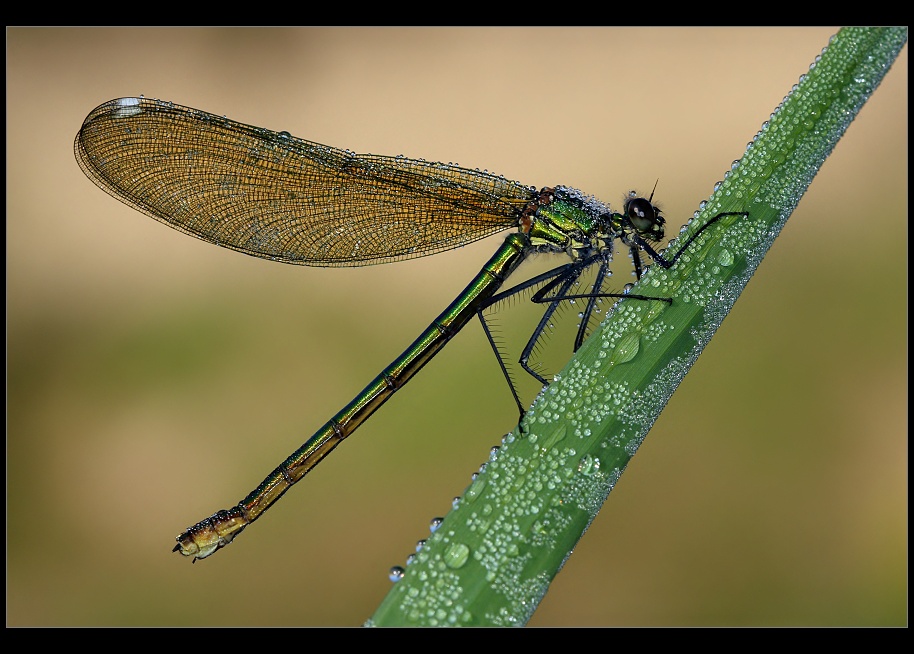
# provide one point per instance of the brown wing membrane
(278, 197)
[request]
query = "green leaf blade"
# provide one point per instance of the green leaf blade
(494, 556)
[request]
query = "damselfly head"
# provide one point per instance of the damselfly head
(644, 216)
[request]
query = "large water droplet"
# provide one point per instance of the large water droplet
(725, 258)
(456, 555)
(126, 107)
(588, 465)
(474, 489)
(626, 348)
(554, 437)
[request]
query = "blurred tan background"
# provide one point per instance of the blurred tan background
(153, 378)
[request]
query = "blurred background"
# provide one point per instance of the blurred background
(153, 378)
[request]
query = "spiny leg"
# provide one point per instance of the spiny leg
(558, 281)
(500, 297)
(563, 277)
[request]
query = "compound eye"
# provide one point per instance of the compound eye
(645, 218)
(642, 214)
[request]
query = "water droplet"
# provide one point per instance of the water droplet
(396, 573)
(456, 555)
(725, 258)
(474, 489)
(127, 107)
(626, 348)
(554, 437)
(588, 465)
(435, 524)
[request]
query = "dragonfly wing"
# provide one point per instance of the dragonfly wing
(278, 197)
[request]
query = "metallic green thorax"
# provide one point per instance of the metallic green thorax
(573, 220)
(560, 222)
(555, 223)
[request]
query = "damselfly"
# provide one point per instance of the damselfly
(274, 196)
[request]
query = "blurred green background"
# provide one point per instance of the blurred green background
(153, 378)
